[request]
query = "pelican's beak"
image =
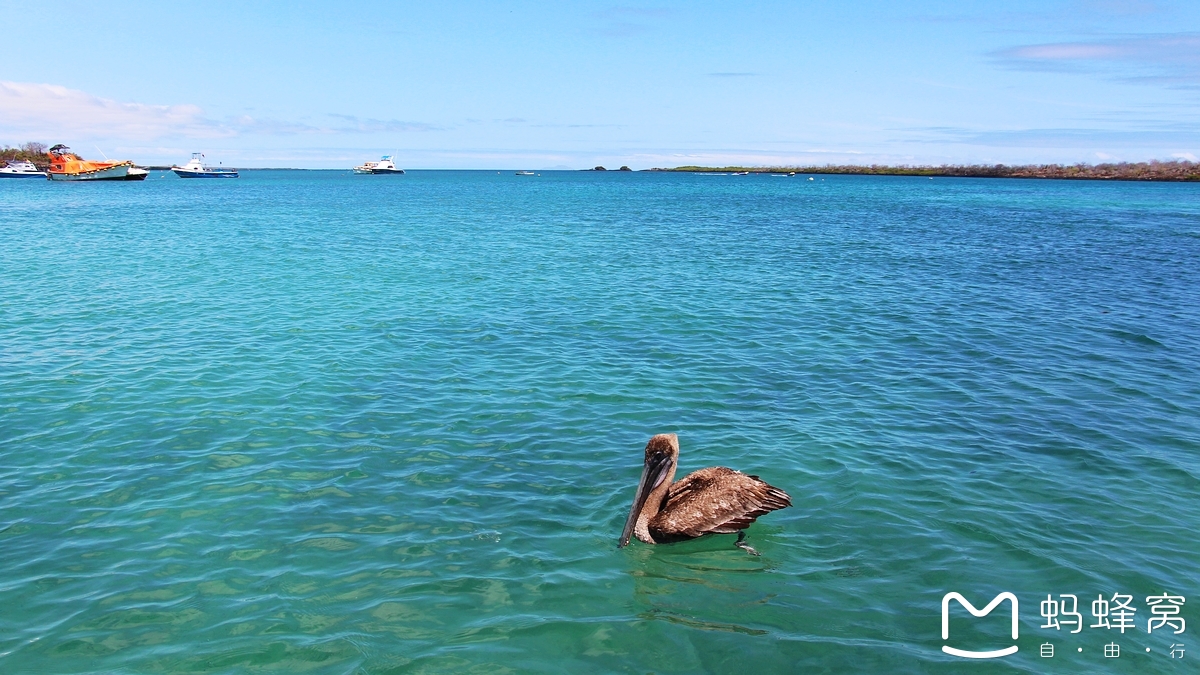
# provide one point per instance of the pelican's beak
(654, 472)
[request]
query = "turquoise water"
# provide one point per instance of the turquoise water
(311, 422)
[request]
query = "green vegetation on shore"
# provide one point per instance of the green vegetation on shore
(30, 152)
(1152, 170)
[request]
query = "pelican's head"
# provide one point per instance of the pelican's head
(662, 454)
(662, 446)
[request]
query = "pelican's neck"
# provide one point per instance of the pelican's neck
(654, 504)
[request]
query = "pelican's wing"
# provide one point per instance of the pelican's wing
(715, 500)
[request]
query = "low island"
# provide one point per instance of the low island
(1144, 171)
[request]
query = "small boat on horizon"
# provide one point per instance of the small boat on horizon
(525, 173)
(196, 169)
(67, 166)
(385, 165)
(21, 169)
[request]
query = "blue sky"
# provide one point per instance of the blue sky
(548, 84)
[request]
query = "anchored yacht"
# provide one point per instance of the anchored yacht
(196, 169)
(20, 169)
(384, 165)
(67, 166)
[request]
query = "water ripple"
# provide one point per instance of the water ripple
(304, 422)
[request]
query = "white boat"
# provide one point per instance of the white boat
(384, 165)
(196, 169)
(16, 169)
(525, 173)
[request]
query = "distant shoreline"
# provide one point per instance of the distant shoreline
(1176, 172)
(1169, 172)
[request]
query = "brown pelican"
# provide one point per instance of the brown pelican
(715, 500)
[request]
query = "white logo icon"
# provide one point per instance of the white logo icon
(977, 613)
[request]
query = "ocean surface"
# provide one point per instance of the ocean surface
(313, 422)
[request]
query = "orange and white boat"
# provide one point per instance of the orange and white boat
(66, 165)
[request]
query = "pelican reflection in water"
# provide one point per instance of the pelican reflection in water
(715, 500)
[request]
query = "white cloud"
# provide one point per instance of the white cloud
(626, 21)
(354, 124)
(1170, 58)
(54, 111)
(31, 110)
(1067, 52)
(1160, 49)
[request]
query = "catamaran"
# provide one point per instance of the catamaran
(66, 165)
(196, 169)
